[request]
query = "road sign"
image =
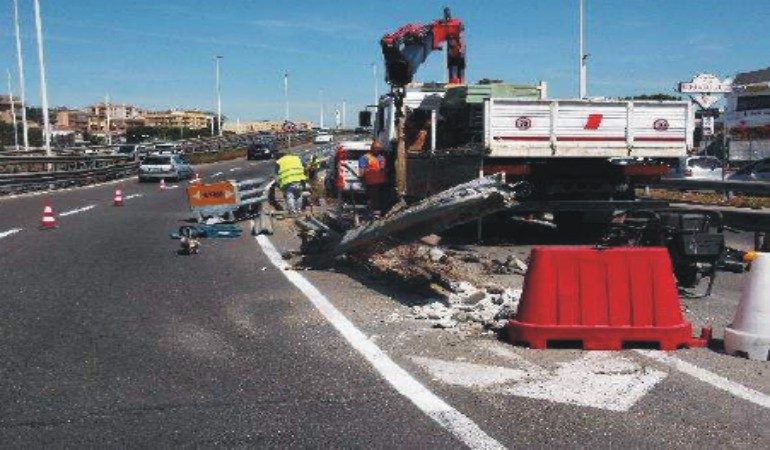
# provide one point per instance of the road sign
(215, 194)
(705, 83)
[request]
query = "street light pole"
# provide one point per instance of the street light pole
(219, 97)
(322, 108)
(20, 65)
(107, 114)
(13, 114)
(582, 59)
(376, 90)
(43, 86)
(286, 92)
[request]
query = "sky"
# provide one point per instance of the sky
(159, 53)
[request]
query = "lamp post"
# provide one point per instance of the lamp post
(582, 57)
(20, 66)
(13, 114)
(43, 86)
(219, 96)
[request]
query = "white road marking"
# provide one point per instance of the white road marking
(129, 197)
(234, 169)
(172, 186)
(736, 389)
(601, 380)
(76, 211)
(437, 409)
(217, 174)
(7, 233)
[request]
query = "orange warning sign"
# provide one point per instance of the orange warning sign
(222, 193)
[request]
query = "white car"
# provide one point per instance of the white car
(697, 168)
(156, 167)
(323, 138)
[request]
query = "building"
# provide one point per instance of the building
(264, 126)
(192, 119)
(6, 116)
(747, 116)
(121, 117)
(72, 120)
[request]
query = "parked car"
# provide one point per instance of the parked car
(696, 168)
(756, 171)
(344, 172)
(323, 138)
(261, 150)
(167, 148)
(156, 167)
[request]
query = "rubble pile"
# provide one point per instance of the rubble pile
(490, 307)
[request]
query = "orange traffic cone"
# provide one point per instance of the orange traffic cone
(48, 222)
(162, 185)
(118, 199)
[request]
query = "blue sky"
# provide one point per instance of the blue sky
(158, 53)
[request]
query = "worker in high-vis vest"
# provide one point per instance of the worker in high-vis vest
(291, 179)
(372, 169)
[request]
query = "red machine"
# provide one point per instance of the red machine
(408, 47)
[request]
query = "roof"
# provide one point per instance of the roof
(757, 76)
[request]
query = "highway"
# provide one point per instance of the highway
(108, 337)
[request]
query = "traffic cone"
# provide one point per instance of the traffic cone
(749, 333)
(118, 199)
(48, 222)
(162, 185)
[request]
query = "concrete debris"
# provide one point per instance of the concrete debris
(511, 265)
(492, 310)
(436, 254)
(431, 239)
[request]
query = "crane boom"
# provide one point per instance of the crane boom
(408, 47)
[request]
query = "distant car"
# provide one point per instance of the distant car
(167, 148)
(756, 171)
(132, 151)
(167, 167)
(260, 150)
(323, 138)
(343, 174)
(697, 168)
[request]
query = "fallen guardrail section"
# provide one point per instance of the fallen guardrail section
(461, 204)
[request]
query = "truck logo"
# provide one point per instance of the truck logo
(660, 125)
(593, 122)
(523, 123)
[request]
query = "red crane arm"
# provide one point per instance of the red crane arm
(407, 48)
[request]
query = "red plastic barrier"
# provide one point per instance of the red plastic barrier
(602, 298)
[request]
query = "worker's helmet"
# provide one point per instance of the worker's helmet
(376, 146)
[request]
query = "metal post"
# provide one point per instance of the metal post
(107, 114)
(43, 85)
(344, 115)
(286, 93)
(433, 131)
(219, 98)
(376, 91)
(13, 114)
(20, 65)
(400, 146)
(582, 58)
(322, 108)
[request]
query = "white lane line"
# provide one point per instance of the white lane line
(738, 390)
(129, 197)
(76, 211)
(234, 169)
(217, 174)
(7, 233)
(437, 409)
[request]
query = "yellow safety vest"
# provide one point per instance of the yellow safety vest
(290, 170)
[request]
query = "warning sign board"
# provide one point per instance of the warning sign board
(215, 194)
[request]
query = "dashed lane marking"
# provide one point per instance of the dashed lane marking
(738, 390)
(462, 427)
(12, 231)
(76, 211)
(129, 197)
(217, 174)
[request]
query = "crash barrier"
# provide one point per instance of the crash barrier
(749, 332)
(26, 174)
(601, 299)
(226, 199)
(756, 188)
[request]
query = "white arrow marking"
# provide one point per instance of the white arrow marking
(598, 379)
(9, 232)
(76, 211)
(713, 379)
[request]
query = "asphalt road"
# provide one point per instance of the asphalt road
(108, 337)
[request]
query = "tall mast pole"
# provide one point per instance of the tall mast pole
(20, 65)
(219, 98)
(582, 58)
(13, 113)
(43, 85)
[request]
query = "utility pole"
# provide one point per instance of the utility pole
(13, 114)
(344, 114)
(582, 57)
(20, 65)
(219, 97)
(107, 114)
(322, 108)
(376, 90)
(43, 86)
(286, 93)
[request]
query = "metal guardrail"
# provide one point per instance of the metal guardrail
(758, 188)
(17, 183)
